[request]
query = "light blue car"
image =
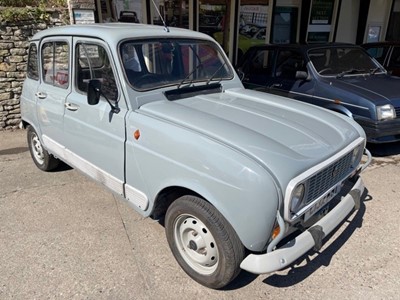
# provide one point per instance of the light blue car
(231, 173)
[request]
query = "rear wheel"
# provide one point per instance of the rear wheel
(43, 159)
(203, 242)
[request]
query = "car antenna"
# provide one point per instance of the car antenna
(162, 19)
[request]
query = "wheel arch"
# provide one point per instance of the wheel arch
(24, 124)
(165, 198)
(340, 109)
(234, 205)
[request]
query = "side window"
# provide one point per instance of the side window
(395, 57)
(288, 63)
(261, 63)
(33, 63)
(322, 59)
(55, 63)
(379, 53)
(92, 62)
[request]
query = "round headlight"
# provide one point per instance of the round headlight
(297, 198)
(355, 155)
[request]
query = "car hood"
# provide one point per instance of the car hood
(286, 137)
(375, 87)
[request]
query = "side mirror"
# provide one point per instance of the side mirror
(240, 74)
(302, 75)
(94, 92)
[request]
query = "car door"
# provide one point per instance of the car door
(30, 88)
(287, 82)
(94, 135)
(54, 88)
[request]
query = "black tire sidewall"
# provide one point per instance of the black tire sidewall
(49, 162)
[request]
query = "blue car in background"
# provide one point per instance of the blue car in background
(340, 77)
(387, 53)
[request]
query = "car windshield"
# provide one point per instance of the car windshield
(151, 64)
(343, 61)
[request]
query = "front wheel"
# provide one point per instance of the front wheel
(203, 242)
(42, 159)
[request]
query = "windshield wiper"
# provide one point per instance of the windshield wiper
(190, 74)
(373, 71)
(215, 73)
(350, 71)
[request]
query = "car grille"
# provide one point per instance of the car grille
(397, 109)
(328, 177)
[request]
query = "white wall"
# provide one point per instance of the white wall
(348, 21)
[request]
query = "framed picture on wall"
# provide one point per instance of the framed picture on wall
(83, 16)
(374, 33)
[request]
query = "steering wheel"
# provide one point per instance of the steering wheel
(325, 70)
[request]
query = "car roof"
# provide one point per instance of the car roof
(383, 43)
(115, 32)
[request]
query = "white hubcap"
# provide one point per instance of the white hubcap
(196, 244)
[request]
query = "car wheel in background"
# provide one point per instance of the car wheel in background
(43, 160)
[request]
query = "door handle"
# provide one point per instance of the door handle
(276, 85)
(41, 95)
(71, 106)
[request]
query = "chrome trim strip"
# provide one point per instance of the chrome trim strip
(327, 99)
(95, 172)
(55, 148)
(83, 165)
(369, 160)
(303, 176)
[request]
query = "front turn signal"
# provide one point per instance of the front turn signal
(136, 134)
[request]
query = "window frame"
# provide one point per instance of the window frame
(106, 52)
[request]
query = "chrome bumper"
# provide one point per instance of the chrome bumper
(287, 254)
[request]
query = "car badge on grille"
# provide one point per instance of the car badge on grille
(335, 171)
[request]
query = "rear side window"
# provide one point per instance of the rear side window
(288, 63)
(55, 64)
(33, 63)
(260, 63)
(92, 62)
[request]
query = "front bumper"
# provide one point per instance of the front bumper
(380, 131)
(287, 254)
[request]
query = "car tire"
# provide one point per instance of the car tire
(42, 159)
(203, 242)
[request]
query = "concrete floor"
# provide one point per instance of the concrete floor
(62, 236)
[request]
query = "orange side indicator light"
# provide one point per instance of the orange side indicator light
(276, 231)
(337, 101)
(136, 134)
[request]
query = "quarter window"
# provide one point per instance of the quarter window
(55, 64)
(33, 66)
